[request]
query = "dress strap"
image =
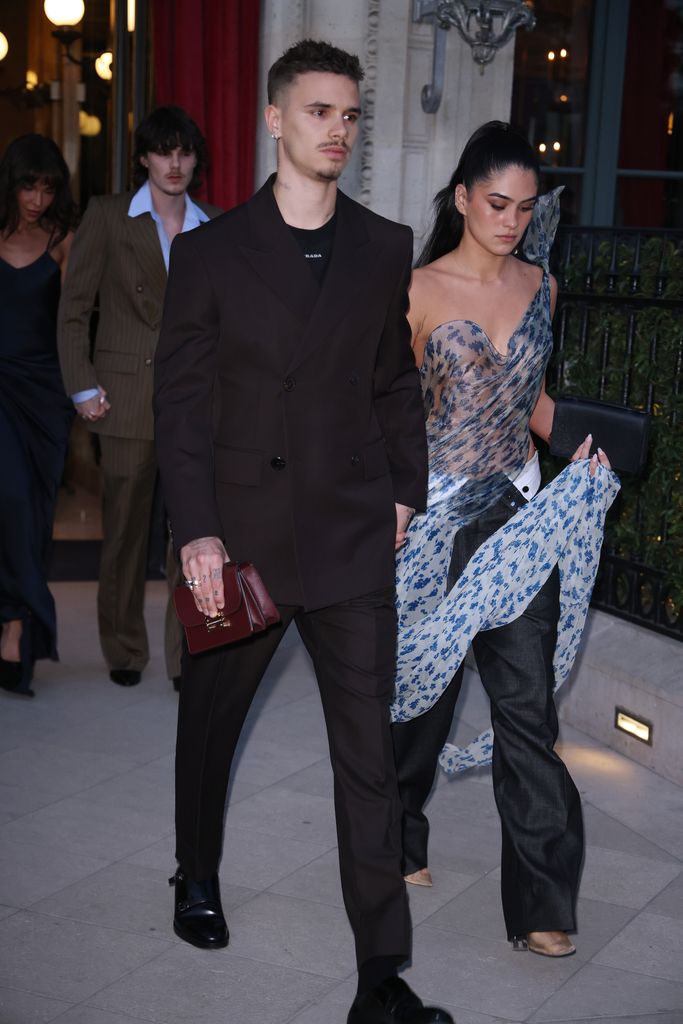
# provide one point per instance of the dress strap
(542, 227)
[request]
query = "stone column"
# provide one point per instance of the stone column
(403, 156)
(431, 143)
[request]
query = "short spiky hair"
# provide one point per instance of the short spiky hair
(311, 55)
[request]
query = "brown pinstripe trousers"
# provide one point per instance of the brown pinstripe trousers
(129, 470)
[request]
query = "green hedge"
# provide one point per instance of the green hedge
(646, 523)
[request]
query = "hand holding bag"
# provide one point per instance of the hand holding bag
(621, 433)
(248, 609)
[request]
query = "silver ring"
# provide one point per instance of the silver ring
(192, 582)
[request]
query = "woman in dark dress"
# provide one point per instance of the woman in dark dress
(36, 217)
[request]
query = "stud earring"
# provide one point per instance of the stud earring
(274, 136)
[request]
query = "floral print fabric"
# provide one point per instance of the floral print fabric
(478, 403)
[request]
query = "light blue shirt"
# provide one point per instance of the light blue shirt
(142, 203)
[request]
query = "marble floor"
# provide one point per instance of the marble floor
(86, 848)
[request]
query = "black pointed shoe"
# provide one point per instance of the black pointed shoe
(393, 1002)
(198, 916)
(125, 676)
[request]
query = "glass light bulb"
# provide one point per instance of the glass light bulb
(4, 46)
(64, 12)
(103, 65)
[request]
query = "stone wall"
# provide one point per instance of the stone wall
(403, 156)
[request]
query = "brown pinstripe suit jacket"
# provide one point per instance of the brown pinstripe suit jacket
(118, 258)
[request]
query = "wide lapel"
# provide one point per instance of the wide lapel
(350, 268)
(144, 237)
(276, 257)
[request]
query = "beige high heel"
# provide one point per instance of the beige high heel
(421, 877)
(554, 944)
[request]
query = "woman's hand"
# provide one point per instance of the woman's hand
(583, 452)
(403, 517)
(202, 560)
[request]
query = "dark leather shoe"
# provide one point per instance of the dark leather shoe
(176, 683)
(198, 914)
(393, 1002)
(125, 676)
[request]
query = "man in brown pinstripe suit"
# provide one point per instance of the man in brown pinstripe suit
(121, 253)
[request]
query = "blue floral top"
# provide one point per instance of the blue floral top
(478, 403)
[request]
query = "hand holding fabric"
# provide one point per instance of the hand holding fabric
(403, 516)
(583, 452)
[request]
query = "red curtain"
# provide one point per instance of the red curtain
(652, 60)
(206, 61)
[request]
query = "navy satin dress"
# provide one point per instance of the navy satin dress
(35, 418)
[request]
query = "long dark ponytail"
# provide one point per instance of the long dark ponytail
(492, 148)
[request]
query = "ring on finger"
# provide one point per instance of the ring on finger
(192, 582)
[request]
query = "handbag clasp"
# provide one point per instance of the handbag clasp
(218, 622)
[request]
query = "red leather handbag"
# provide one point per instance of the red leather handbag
(248, 609)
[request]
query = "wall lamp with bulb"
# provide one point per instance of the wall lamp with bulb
(31, 94)
(486, 25)
(65, 15)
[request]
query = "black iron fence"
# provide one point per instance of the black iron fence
(619, 337)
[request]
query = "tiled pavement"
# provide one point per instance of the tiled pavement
(86, 849)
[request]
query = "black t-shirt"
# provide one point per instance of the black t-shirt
(316, 245)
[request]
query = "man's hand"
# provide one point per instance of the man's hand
(94, 408)
(403, 517)
(202, 560)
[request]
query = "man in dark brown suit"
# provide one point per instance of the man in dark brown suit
(290, 433)
(120, 253)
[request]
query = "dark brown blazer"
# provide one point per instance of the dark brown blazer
(289, 417)
(118, 258)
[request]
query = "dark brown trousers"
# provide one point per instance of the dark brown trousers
(129, 472)
(352, 646)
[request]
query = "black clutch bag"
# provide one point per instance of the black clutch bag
(621, 433)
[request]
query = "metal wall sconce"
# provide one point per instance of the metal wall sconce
(65, 15)
(486, 25)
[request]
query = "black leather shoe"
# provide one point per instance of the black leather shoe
(125, 676)
(176, 683)
(198, 914)
(393, 1002)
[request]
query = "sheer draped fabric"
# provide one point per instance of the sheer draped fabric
(478, 403)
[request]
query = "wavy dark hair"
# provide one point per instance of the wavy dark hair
(27, 160)
(491, 149)
(165, 129)
(311, 55)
